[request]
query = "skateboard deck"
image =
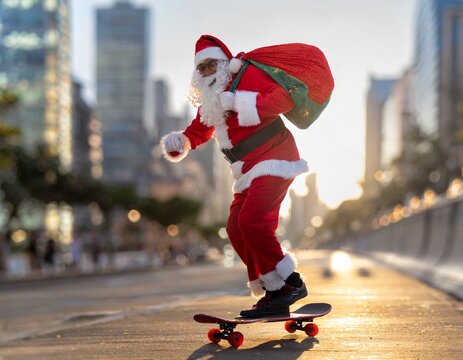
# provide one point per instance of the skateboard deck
(293, 321)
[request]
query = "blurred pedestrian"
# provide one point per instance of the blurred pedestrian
(49, 254)
(242, 112)
(5, 247)
(95, 250)
(33, 250)
(76, 250)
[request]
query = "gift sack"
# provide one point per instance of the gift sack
(302, 70)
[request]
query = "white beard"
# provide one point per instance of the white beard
(205, 91)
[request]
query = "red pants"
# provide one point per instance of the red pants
(253, 220)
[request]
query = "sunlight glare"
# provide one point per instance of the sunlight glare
(340, 261)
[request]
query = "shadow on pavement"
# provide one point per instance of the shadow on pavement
(285, 348)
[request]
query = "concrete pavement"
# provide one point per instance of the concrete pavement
(377, 314)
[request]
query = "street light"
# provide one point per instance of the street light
(134, 216)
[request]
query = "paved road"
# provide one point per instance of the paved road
(377, 314)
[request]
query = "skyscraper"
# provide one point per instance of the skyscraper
(87, 153)
(121, 73)
(378, 93)
(397, 121)
(34, 62)
(451, 99)
(438, 67)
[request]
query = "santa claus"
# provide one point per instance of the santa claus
(264, 161)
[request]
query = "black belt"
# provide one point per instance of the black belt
(253, 141)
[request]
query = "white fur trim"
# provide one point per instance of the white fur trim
(256, 287)
(237, 168)
(221, 135)
(227, 100)
(281, 168)
(272, 281)
(246, 107)
(213, 52)
(186, 147)
(286, 266)
(235, 65)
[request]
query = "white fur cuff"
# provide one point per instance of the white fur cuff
(186, 146)
(272, 281)
(246, 107)
(227, 100)
(256, 287)
(286, 266)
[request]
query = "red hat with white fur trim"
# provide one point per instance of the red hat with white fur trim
(209, 47)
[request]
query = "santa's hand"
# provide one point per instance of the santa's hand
(174, 143)
(227, 100)
(175, 146)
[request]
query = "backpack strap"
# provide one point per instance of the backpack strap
(238, 77)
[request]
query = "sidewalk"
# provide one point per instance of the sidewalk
(377, 314)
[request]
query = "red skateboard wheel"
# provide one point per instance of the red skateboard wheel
(290, 326)
(214, 335)
(311, 329)
(235, 339)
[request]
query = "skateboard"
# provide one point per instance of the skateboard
(293, 321)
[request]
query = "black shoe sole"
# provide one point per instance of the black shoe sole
(265, 312)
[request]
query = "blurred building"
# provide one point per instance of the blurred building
(87, 151)
(35, 63)
(378, 93)
(306, 213)
(438, 63)
(95, 149)
(165, 121)
(162, 109)
(397, 125)
(122, 52)
(81, 116)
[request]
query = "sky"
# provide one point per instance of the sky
(360, 38)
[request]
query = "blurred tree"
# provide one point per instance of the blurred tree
(425, 166)
(38, 175)
(211, 234)
(345, 218)
(8, 134)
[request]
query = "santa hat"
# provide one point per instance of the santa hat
(209, 47)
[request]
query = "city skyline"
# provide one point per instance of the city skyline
(385, 50)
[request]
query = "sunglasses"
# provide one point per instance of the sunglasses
(209, 65)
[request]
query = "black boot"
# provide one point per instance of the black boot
(263, 307)
(278, 302)
(294, 280)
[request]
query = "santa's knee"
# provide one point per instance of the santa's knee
(233, 230)
(249, 225)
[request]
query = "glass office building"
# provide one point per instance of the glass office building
(438, 67)
(34, 62)
(121, 73)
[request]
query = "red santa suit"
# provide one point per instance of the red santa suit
(262, 177)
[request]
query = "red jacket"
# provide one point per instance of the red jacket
(259, 100)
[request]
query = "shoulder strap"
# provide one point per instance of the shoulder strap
(238, 77)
